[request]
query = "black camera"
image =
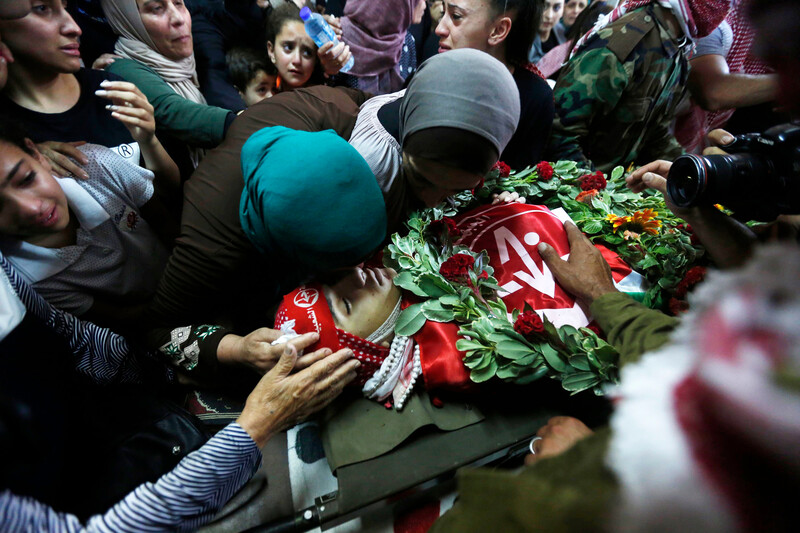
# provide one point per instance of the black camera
(758, 180)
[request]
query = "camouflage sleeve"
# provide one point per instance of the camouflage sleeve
(592, 84)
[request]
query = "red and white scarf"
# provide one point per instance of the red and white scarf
(697, 18)
(704, 432)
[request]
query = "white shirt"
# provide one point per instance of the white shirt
(116, 254)
(380, 150)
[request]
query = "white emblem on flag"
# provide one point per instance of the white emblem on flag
(306, 298)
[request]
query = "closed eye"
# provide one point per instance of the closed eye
(28, 179)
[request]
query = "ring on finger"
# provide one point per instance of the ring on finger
(531, 447)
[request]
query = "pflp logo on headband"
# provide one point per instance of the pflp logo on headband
(306, 298)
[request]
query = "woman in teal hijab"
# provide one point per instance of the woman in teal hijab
(306, 203)
(309, 199)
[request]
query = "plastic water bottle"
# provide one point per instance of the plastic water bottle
(321, 33)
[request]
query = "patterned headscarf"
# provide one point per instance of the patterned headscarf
(135, 43)
(697, 18)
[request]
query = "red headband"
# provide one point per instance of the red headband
(307, 306)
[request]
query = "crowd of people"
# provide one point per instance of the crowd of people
(194, 194)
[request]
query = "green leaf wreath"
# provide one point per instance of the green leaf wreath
(457, 285)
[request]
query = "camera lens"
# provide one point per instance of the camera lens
(718, 179)
(687, 180)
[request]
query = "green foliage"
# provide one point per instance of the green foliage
(492, 348)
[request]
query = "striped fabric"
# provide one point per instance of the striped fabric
(101, 354)
(182, 500)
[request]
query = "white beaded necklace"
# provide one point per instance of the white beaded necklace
(381, 385)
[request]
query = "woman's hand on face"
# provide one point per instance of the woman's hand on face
(130, 107)
(60, 156)
(333, 58)
(104, 60)
(507, 197)
(283, 397)
(257, 352)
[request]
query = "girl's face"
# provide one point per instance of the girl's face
(169, 25)
(32, 204)
(552, 12)
(47, 37)
(294, 54)
(573, 8)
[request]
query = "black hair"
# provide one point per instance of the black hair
(586, 20)
(289, 12)
(244, 64)
(526, 15)
(13, 133)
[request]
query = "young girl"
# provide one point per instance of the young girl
(82, 244)
(294, 54)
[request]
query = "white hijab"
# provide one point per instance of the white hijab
(135, 43)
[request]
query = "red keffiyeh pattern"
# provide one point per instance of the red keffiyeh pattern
(307, 306)
(697, 17)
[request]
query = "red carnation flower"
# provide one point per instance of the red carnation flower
(586, 196)
(593, 181)
(544, 170)
(457, 267)
(677, 306)
(528, 324)
(595, 328)
(504, 169)
(693, 276)
(436, 227)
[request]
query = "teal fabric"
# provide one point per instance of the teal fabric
(309, 199)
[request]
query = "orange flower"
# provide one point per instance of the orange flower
(645, 221)
(639, 222)
(586, 196)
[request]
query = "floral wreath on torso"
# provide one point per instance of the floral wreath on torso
(457, 284)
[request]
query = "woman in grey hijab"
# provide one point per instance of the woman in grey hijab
(439, 136)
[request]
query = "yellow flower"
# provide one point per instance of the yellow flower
(616, 221)
(639, 222)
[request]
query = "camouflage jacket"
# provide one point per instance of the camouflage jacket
(616, 98)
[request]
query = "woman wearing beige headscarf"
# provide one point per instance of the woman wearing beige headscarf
(157, 55)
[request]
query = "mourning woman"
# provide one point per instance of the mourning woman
(505, 30)
(234, 263)
(155, 42)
